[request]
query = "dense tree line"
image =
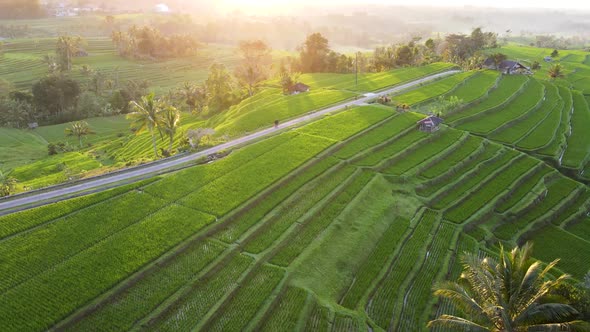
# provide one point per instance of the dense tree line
(19, 9)
(149, 42)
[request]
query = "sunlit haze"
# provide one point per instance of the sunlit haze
(275, 4)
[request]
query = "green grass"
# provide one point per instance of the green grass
(284, 315)
(488, 191)
(371, 81)
(521, 105)
(522, 190)
(578, 142)
(522, 127)
(457, 155)
(388, 130)
(345, 124)
(556, 192)
(553, 239)
(424, 152)
(468, 183)
(432, 90)
(555, 147)
(394, 147)
(389, 290)
(476, 86)
(508, 86)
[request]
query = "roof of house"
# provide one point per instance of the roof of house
(431, 120)
(300, 87)
(511, 64)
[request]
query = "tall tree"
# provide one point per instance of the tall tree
(168, 121)
(504, 295)
(219, 86)
(66, 49)
(145, 116)
(79, 129)
(55, 94)
(314, 53)
(255, 64)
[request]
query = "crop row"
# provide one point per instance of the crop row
(554, 148)
(424, 152)
(465, 244)
(14, 223)
(283, 107)
(306, 233)
(577, 143)
(296, 207)
(374, 263)
(343, 323)
(345, 124)
(374, 157)
(545, 132)
(28, 254)
(472, 143)
(511, 135)
(237, 312)
(419, 294)
(319, 319)
(556, 192)
(490, 190)
(228, 191)
(240, 224)
(67, 286)
(559, 243)
(382, 304)
(524, 103)
(523, 189)
(581, 228)
(388, 130)
(123, 311)
(189, 180)
(284, 315)
(473, 179)
(508, 86)
(432, 90)
(191, 307)
(486, 152)
(372, 81)
(476, 86)
(573, 207)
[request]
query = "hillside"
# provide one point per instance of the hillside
(114, 145)
(341, 224)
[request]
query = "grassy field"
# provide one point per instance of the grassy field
(343, 224)
(113, 145)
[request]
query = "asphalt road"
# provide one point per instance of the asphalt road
(148, 169)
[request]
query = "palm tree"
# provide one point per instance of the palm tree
(79, 129)
(504, 295)
(145, 117)
(67, 47)
(555, 71)
(168, 121)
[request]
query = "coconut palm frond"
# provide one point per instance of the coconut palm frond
(458, 323)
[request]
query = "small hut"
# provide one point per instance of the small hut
(299, 88)
(430, 124)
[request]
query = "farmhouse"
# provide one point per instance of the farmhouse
(299, 88)
(508, 67)
(430, 124)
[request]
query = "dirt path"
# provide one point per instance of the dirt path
(148, 169)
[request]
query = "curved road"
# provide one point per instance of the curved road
(124, 175)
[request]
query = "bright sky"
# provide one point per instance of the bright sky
(571, 4)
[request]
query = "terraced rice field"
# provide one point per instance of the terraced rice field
(343, 224)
